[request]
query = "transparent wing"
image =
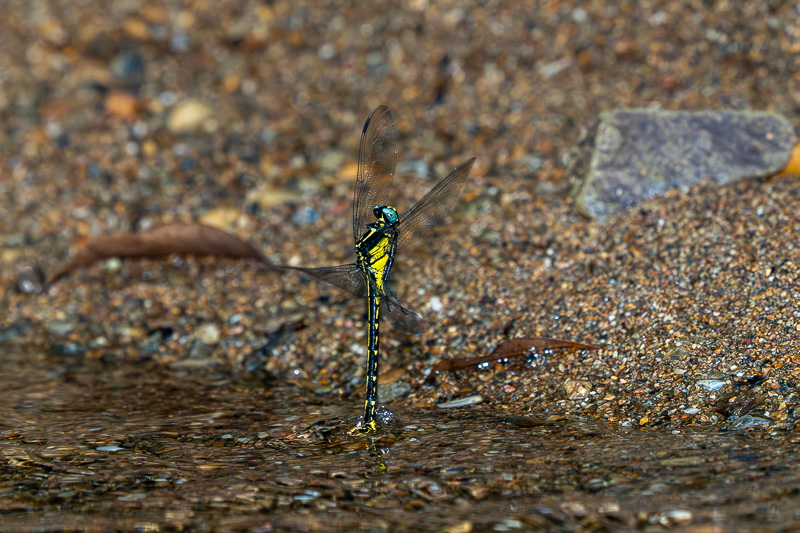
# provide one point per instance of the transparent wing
(352, 279)
(347, 277)
(402, 318)
(377, 157)
(433, 208)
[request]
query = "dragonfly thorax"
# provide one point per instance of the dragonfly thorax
(386, 214)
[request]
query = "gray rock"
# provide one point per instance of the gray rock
(632, 155)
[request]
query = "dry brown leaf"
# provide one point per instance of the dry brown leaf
(176, 238)
(511, 348)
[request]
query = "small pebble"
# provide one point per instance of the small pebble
(208, 334)
(187, 116)
(711, 384)
(577, 389)
(461, 402)
(111, 448)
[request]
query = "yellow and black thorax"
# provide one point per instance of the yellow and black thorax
(376, 248)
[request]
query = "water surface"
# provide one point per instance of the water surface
(84, 448)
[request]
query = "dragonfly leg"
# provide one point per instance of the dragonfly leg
(393, 295)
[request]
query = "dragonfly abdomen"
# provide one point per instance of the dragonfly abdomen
(371, 402)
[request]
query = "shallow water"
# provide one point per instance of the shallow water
(126, 448)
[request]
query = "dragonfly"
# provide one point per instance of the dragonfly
(378, 240)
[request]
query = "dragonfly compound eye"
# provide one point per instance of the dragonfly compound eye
(386, 213)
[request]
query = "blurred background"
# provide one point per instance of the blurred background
(116, 111)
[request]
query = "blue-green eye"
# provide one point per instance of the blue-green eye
(390, 213)
(386, 213)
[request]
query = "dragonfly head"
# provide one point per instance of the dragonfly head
(386, 214)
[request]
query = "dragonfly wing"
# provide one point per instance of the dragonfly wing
(433, 208)
(350, 278)
(402, 318)
(377, 157)
(347, 277)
